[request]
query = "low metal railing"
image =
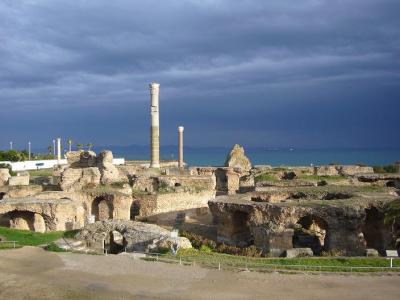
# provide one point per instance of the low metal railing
(261, 266)
(9, 242)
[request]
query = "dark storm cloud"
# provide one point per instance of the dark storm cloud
(309, 72)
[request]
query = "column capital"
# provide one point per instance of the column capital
(154, 88)
(181, 128)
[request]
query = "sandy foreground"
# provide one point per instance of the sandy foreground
(32, 273)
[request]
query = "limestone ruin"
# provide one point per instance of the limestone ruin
(282, 211)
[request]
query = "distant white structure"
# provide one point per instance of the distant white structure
(46, 164)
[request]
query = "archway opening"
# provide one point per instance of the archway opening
(376, 233)
(114, 242)
(135, 210)
(102, 208)
(2, 194)
(241, 234)
(311, 232)
(23, 220)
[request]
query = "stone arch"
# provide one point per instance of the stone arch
(311, 232)
(25, 220)
(114, 242)
(241, 234)
(377, 235)
(102, 208)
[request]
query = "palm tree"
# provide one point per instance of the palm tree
(69, 141)
(79, 146)
(90, 146)
(50, 149)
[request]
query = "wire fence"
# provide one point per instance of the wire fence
(262, 265)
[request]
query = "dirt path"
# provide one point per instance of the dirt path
(31, 273)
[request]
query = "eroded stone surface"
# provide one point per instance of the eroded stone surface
(237, 159)
(117, 236)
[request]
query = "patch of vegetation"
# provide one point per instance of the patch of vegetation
(322, 178)
(279, 169)
(265, 177)
(392, 212)
(385, 169)
(118, 185)
(40, 173)
(54, 248)
(208, 246)
(331, 264)
(30, 238)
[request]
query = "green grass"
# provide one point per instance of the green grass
(41, 173)
(320, 178)
(30, 238)
(333, 264)
(265, 177)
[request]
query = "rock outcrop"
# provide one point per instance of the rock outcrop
(109, 172)
(89, 170)
(19, 180)
(237, 159)
(4, 176)
(117, 236)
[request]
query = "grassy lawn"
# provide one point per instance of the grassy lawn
(30, 238)
(328, 264)
(41, 173)
(265, 177)
(319, 178)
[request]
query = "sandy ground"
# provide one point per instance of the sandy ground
(31, 273)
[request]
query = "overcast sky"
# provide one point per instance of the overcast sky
(306, 73)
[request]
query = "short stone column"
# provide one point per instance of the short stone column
(58, 149)
(155, 126)
(180, 147)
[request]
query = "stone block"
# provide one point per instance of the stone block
(371, 252)
(4, 176)
(298, 252)
(18, 180)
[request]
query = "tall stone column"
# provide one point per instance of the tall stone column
(155, 126)
(180, 147)
(58, 149)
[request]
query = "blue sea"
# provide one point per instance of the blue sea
(215, 156)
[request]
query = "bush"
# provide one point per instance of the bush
(385, 169)
(54, 248)
(206, 245)
(13, 155)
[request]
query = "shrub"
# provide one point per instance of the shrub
(385, 169)
(54, 248)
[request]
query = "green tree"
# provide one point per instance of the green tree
(69, 141)
(50, 149)
(90, 146)
(79, 146)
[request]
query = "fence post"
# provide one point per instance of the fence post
(391, 262)
(14, 244)
(180, 261)
(157, 256)
(219, 266)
